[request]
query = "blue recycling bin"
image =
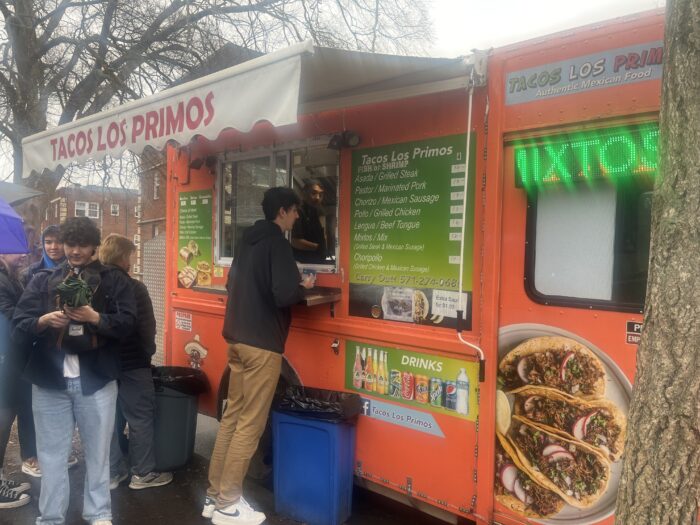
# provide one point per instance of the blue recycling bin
(313, 468)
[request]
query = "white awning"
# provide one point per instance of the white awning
(275, 88)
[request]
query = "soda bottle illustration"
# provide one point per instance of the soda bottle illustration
(385, 374)
(375, 370)
(357, 369)
(363, 360)
(369, 372)
(462, 393)
(380, 374)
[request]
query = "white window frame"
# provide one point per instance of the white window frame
(137, 211)
(114, 208)
(93, 207)
(137, 239)
(156, 186)
(83, 205)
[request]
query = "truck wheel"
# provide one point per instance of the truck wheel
(260, 468)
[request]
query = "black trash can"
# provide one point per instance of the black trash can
(177, 389)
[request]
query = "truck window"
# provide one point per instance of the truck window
(313, 174)
(243, 183)
(315, 178)
(588, 220)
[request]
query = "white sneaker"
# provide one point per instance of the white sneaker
(209, 507)
(240, 513)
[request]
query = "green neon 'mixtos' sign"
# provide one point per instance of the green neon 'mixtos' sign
(611, 154)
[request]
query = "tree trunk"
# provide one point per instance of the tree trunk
(661, 471)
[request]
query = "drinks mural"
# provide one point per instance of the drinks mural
(428, 382)
(405, 231)
(194, 263)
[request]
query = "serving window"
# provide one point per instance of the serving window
(589, 215)
(311, 171)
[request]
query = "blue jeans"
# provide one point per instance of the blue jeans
(55, 415)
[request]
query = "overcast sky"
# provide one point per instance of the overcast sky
(462, 25)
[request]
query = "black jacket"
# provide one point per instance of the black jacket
(262, 286)
(98, 365)
(31, 270)
(11, 359)
(137, 348)
(10, 292)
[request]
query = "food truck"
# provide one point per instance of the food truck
(484, 240)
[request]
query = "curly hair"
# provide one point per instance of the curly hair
(79, 230)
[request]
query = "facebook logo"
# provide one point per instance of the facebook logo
(366, 406)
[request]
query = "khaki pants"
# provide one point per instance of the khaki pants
(254, 376)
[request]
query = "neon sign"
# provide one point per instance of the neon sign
(609, 154)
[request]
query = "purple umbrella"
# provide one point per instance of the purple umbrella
(12, 238)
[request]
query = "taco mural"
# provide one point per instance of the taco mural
(563, 435)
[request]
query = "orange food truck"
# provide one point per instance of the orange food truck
(484, 228)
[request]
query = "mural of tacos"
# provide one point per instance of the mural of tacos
(515, 488)
(577, 472)
(556, 362)
(597, 422)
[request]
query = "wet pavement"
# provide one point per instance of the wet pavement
(180, 502)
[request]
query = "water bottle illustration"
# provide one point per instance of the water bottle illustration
(462, 393)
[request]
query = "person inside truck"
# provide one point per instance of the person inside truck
(309, 233)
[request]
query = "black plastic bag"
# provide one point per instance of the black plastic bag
(317, 403)
(190, 381)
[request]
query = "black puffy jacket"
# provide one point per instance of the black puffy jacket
(99, 365)
(137, 348)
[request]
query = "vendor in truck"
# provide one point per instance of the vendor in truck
(309, 232)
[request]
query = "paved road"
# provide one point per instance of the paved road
(180, 502)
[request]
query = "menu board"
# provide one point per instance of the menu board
(405, 232)
(194, 262)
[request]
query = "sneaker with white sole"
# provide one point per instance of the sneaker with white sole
(240, 513)
(72, 462)
(150, 480)
(209, 507)
(102, 522)
(31, 468)
(17, 486)
(115, 481)
(10, 499)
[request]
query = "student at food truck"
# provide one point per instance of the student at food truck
(12, 493)
(308, 234)
(136, 395)
(52, 255)
(263, 284)
(75, 315)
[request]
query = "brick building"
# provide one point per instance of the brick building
(115, 210)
